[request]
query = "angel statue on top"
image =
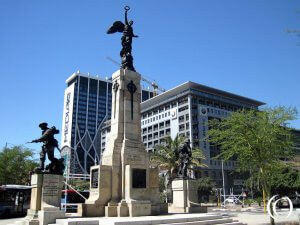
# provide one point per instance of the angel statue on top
(125, 53)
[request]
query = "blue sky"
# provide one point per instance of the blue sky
(237, 46)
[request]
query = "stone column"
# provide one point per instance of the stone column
(35, 200)
(125, 152)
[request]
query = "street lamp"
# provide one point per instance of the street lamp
(223, 181)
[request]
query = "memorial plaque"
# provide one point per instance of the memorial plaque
(94, 178)
(51, 185)
(138, 178)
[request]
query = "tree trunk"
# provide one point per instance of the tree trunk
(272, 221)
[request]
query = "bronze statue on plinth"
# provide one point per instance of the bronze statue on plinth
(126, 40)
(56, 166)
(184, 155)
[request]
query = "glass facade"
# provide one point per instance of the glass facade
(91, 107)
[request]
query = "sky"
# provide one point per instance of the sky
(238, 46)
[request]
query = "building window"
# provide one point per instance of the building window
(167, 123)
(161, 125)
(168, 131)
(181, 127)
(161, 133)
(183, 108)
(187, 117)
(181, 119)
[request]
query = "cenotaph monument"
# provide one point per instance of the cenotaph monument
(124, 184)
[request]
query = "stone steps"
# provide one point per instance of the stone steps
(209, 222)
(178, 219)
(234, 223)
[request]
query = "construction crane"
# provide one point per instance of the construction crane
(154, 85)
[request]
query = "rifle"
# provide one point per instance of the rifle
(30, 142)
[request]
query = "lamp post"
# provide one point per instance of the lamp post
(223, 181)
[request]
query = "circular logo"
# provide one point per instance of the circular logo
(203, 111)
(276, 215)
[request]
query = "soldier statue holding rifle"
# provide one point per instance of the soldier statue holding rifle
(49, 144)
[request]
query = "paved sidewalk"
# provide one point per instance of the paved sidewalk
(11, 220)
(259, 218)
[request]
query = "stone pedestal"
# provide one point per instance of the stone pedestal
(100, 192)
(45, 200)
(185, 197)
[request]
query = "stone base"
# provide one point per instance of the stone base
(90, 210)
(42, 217)
(196, 209)
(123, 209)
(27, 221)
(185, 197)
(139, 208)
(159, 209)
(111, 210)
(132, 209)
(48, 216)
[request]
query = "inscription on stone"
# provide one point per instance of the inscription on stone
(51, 185)
(138, 178)
(94, 178)
(133, 158)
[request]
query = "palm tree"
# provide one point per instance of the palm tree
(164, 156)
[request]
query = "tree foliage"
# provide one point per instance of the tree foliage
(283, 179)
(259, 140)
(80, 185)
(164, 156)
(16, 163)
(205, 185)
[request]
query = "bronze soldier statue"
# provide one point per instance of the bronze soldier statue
(126, 40)
(48, 147)
(184, 154)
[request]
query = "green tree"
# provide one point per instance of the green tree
(259, 140)
(283, 179)
(80, 185)
(16, 163)
(205, 187)
(164, 156)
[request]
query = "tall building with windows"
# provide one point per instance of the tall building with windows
(185, 110)
(87, 105)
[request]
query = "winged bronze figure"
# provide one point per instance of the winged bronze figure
(126, 40)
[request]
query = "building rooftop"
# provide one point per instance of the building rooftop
(78, 73)
(189, 85)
